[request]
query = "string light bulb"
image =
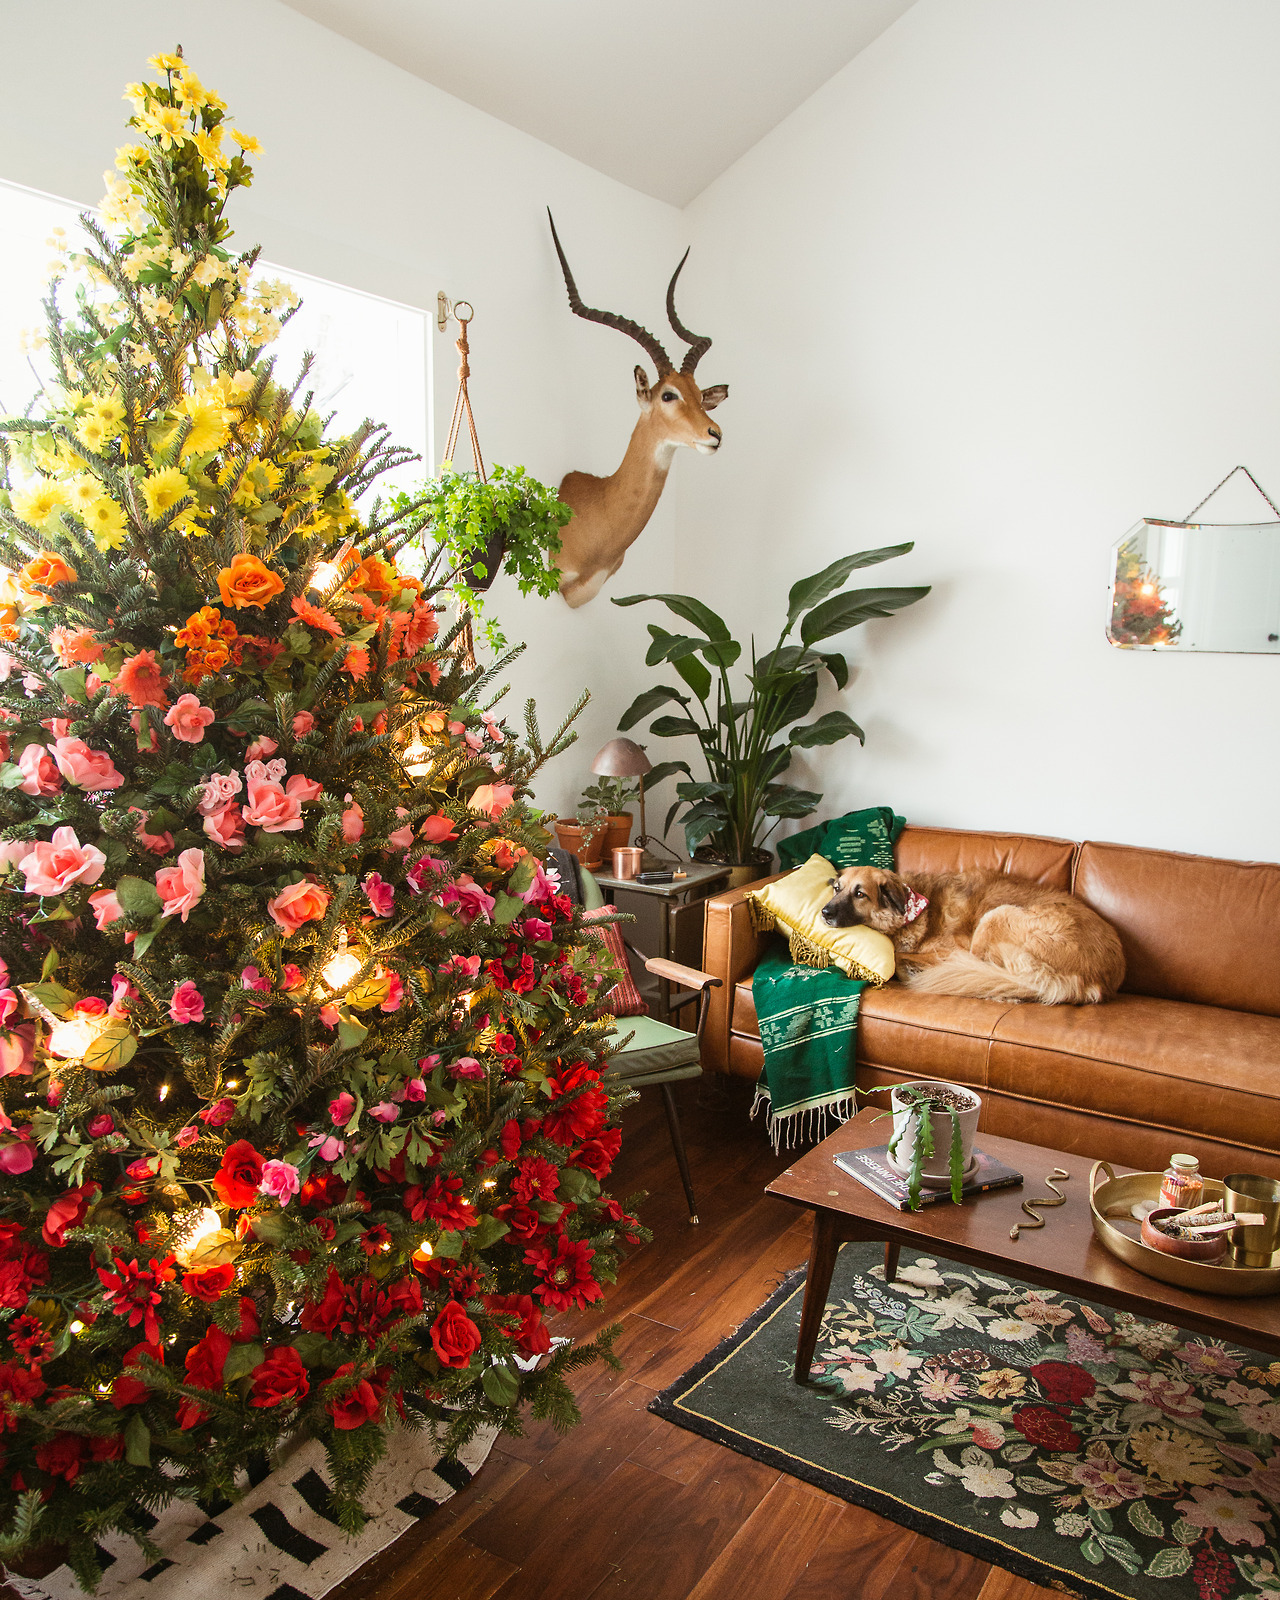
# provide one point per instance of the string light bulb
(323, 577)
(342, 966)
(207, 1224)
(417, 759)
(70, 1039)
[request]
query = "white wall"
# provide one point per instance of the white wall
(1004, 285)
(375, 179)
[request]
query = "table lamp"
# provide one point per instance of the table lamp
(624, 758)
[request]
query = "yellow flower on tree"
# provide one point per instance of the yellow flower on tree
(41, 504)
(163, 490)
(167, 62)
(247, 142)
(81, 493)
(210, 147)
(165, 124)
(93, 433)
(105, 521)
(210, 424)
(109, 410)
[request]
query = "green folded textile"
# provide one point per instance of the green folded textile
(809, 1015)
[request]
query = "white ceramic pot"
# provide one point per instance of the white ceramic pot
(937, 1168)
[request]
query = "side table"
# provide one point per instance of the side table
(669, 921)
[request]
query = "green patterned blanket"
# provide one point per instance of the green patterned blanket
(809, 1015)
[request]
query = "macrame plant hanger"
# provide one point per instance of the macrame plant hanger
(495, 550)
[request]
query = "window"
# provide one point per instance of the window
(371, 354)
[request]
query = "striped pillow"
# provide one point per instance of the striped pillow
(624, 999)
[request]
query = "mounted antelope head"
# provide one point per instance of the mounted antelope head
(610, 513)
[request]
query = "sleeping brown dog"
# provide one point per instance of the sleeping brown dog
(985, 934)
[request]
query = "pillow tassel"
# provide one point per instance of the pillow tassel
(808, 954)
(762, 919)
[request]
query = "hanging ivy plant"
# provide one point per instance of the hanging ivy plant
(510, 523)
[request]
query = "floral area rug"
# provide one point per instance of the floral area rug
(1081, 1447)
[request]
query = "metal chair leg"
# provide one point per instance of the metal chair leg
(677, 1143)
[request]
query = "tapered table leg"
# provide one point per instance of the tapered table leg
(822, 1259)
(891, 1254)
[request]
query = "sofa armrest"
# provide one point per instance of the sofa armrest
(731, 948)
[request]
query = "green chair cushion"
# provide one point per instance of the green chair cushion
(657, 1053)
(592, 893)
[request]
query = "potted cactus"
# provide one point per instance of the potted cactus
(933, 1128)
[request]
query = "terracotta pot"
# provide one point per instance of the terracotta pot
(617, 833)
(937, 1168)
(588, 849)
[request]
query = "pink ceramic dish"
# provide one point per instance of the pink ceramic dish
(1189, 1249)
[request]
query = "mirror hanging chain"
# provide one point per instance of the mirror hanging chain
(1223, 485)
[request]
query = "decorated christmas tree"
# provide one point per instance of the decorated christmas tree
(1140, 612)
(302, 1123)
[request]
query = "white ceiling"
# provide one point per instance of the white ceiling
(660, 94)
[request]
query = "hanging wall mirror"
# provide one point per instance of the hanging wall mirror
(1198, 585)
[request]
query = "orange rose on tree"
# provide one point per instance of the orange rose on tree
(248, 582)
(45, 569)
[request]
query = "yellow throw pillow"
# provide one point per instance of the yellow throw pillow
(795, 903)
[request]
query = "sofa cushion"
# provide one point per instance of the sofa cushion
(795, 903)
(1193, 928)
(1025, 855)
(1193, 1067)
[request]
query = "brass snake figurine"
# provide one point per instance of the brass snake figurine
(1037, 1221)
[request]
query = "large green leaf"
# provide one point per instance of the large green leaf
(670, 646)
(784, 800)
(722, 652)
(684, 605)
(697, 832)
(661, 770)
(695, 675)
(138, 898)
(673, 727)
(828, 729)
(703, 791)
(733, 709)
(797, 702)
(809, 591)
(647, 702)
(845, 611)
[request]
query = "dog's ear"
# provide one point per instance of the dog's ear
(894, 893)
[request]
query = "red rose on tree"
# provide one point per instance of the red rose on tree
(106, 1446)
(524, 1222)
(25, 1270)
(205, 1361)
(249, 1327)
(509, 1142)
(240, 1174)
(67, 1211)
(360, 1403)
(598, 1155)
(1046, 1427)
(209, 1284)
(530, 1332)
(61, 1456)
(130, 1391)
(281, 1379)
(1063, 1381)
(325, 1316)
(454, 1337)
(565, 1273)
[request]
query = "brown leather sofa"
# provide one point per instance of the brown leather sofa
(1187, 1056)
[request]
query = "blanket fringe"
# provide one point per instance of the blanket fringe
(805, 1125)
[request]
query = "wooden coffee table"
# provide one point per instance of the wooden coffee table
(1063, 1255)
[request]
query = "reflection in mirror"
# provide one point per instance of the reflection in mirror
(1197, 586)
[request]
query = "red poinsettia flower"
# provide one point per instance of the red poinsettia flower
(133, 1292)
(565, 1273)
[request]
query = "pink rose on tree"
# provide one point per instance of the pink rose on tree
(303, 723)
(84, 768)
(280, 1180)
(182, 887)
(218, 790)
(188, 719)
(226, 827)
(303, 789)
(40, 775)
(54, 866)
(381, 896)
(271, 809)
(492, 799)
(299, 903)
(187, 1004)
(352, 823)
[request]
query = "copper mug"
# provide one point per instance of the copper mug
(627, 860)
(1246, 1191)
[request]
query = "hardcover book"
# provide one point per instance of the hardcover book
(871, 1168)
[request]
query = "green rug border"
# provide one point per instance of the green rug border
(670, 1404)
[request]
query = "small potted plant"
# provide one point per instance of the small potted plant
(610, 797)
(933, 1128)
(585, 837)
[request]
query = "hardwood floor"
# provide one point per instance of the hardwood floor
(629, 1507)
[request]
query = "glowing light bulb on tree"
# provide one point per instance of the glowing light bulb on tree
(71, 1038)
(207, 1224)
(342, 966)
(324, 576)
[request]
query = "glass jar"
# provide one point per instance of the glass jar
(1182, 1184)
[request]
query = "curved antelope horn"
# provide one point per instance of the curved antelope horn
(699, 343)
(610, 319)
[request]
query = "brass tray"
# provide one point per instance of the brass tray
(1204, 1276)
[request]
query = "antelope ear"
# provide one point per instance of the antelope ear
(642, 385)
(712, 397)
